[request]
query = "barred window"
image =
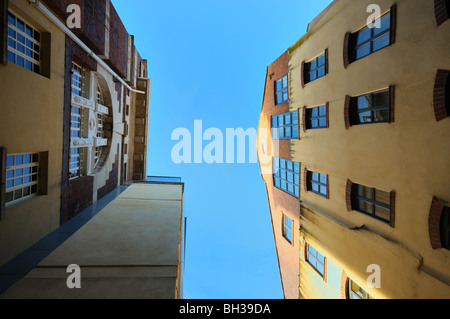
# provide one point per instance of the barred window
(21, 176)
(24, 44)
(75, 162)
(79, 80)
(286, 175)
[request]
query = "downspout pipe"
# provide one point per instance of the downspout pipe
(69, 33)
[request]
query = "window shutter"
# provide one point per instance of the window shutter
(344, 285)
(440, 109)
(440, 11)
(328, 186)
(348, 195)
(392, 204)
(434, 223)
(392, 103)
(4, 32)
(2, 182)
(328, 114)
(347, 111)
(305, 120)
(305, 179)
(326, 62)
(346, 49)
(303, 74)
(393, 30)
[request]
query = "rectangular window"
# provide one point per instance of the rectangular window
(315, 69)
(287, 228)
(75, 162)
(24, 44)
(22, 172)
(317, 183)
(317, 117)
(369, 40)
(370, 108)
(315, 259)
(356, 292)
(285, 126)
(286, 176)
(281, 90)
(373, 202)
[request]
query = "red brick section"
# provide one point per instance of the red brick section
(113, 179)
(393, 31)
(392, 103)
(392, 205)
(4, 32)
(79, 196)
(328, 114)
(344, 285)
(440, 98)
(348, 195)
(434, 223)
(347, 101)
(118, 44)
(346, 54)
(441, 11)
(305, 120)
(275, 71)
(302, 74)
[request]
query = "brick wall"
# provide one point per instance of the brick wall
(118, 44)
(113, 179)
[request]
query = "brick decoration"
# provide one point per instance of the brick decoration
(344, 285)
(113, 179)
(304, 249)
(347, 101)
(346, 54)
(393, 31)
(441, 98)
(305, 120)
(80, 192)
(392, 205)
(348, 195)
(328, 114)
(118, 44)
(302, 74)
(434, 223)
(327, 65)
(392, 103)
(82, 58)
(328, 186)
(305, 179)
(441, 11)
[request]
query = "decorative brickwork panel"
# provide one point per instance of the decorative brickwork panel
(346, 54)
(440, 98)
(348, 195)
(118, 44)
(441, 11)
(393, 31)
(347, 111)
(80, 197)
(113, 179)
(344, 285)
(434, 223)
(392, 204)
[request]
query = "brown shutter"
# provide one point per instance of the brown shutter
(305, 120)
(346, 49)
(348, 195)
(440, 11)
(434, 223)
(347, 112)
(393, 31)
(4, 32)
(344, 285)
(3, 152)
(326, 62)
(392, 204)
(328, 114)
(303, 74)
(392, 103)
(440, 110)
(305, 179)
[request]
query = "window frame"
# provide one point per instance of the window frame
(316, 260)
(357, 198)
(33, 175)
(31, 44)
(283, 90)
(360, 295)
(311, 181)
(293, 122)
(287, 228)
(283, 173)
(309, 118)
(444, 228)
(355, 111)
(308, 69)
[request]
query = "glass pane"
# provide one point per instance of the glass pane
(290, 177)
(11, 43)
(382, 197)
(287, 119)
(365, 206)
(294, 117)
(20, 61)
(365, 191)
(19, 159)
(11, 19)
(385, 23)
(288, 132)
(20, 25)
(10, 183)
(296, 167)
(321, 60)
(363, 51)
(382, 115)
(382, 212)
(10, 160)
(323, 178)
(315, 187)
(323, 190)
(284, 185)
(380, 98)
(279, 85)
(29, 31)
(381, 42)
(290, 166)
(365, 117)
(323, 122)
(283, 163)
(363, 35)
(18, 172)
(277, 182)
(274, 121)
(323, 110)
(295, 131)
(9, 197)
(9, 174)
(315, 177)
(320, 269)
(12, 33)
(321, 72)
(291, 188)
(312, 75)
(364, 102)
(285, 82)
(11, 57)
(313, 64)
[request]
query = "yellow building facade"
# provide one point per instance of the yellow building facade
(373, 107)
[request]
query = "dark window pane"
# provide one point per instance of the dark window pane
(382, 212)
(11, 57)
(11, 19)
(9, 197)
(20, 25)
(363, 51)
(385, 23)
(323, 122)
(365, 206)
(321, 60)
(363, 35)
(381, 42)
(365, 117)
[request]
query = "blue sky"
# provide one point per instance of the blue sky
(207, 60)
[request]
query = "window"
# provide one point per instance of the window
(371, 108)
(22, 172)
(79, 81)
(281, 90)
(372, 202)
(439, 225)
(285, 126)
(75, 162)
(315, 69)
(287, 228)
(356, 292)
(445, 228)
(441, 98)
(441, 11)
(24, 44)
(316, 118)
(286, 176)
(315, 259)
(317, 183)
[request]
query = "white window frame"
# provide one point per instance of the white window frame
(18, 173)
